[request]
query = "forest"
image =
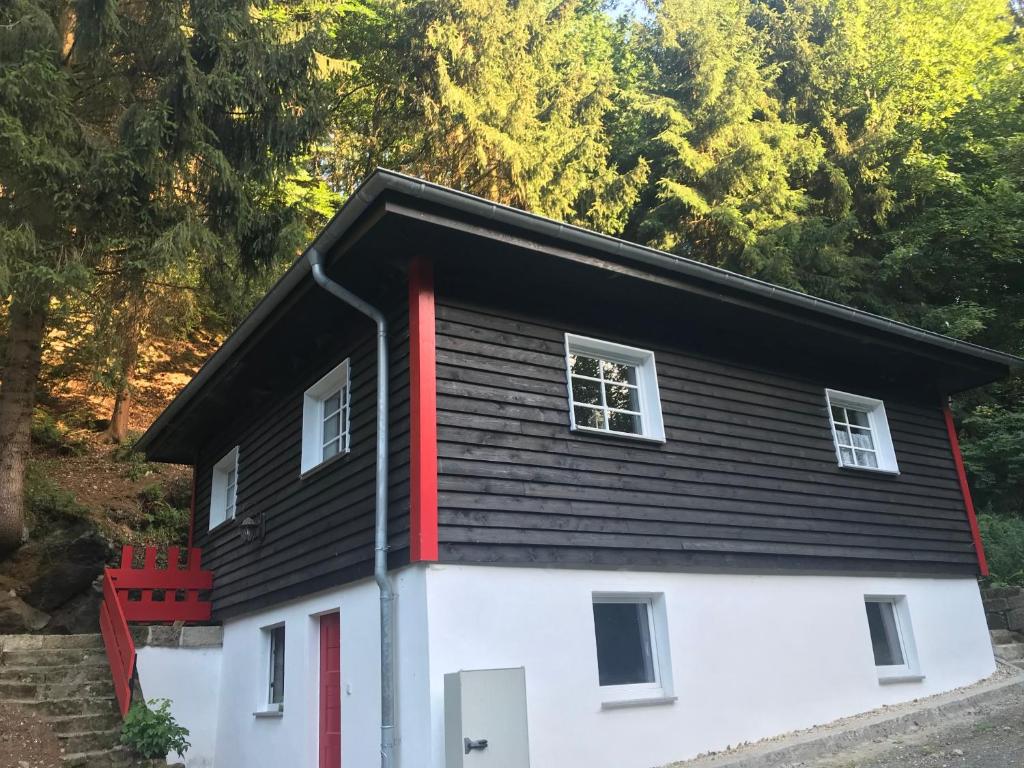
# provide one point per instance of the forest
(162, 162)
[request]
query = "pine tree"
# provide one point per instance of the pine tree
(730, 174)
(163, 134)
(505, 100)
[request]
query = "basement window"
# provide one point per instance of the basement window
(632, 662)
(613, 389)
(892, 639)
(325, 418)
(860, 430)
(275, 681)
(224, 489)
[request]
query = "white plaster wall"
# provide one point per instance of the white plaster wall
(190, 678)
(245, 741)
(751, 656)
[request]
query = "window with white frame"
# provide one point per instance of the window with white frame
(275, 677)
(224, 489)
(861, 432)
(892, 638)
(631, 646)
(612, 388)
(325, 418)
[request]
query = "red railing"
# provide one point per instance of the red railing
(148, 594)
(117, 639)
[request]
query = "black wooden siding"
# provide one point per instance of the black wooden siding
(319, 529)
(746, 480)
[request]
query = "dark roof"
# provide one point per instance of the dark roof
(382, 183)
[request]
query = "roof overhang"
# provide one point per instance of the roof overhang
(393, 193)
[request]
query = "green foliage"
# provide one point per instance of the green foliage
(163, 161)
(165, 519)
(47, 505)
(152, 730)
(993, 449)
(1003, 537)
(135, 465)
(48, 434)
(505, 100)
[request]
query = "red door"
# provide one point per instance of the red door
(330, 691)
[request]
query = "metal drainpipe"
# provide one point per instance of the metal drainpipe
(380, 558)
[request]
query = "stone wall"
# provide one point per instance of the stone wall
(1004, 608)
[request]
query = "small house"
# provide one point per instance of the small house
(604, 506)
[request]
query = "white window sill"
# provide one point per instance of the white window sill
(268, 714)
(894, 679)
(623, 435)
(648, 701)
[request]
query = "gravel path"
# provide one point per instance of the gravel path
(992, 737)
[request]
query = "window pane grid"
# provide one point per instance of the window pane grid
(854, 436)
(334, 423)
(621, 380)
(229, 493)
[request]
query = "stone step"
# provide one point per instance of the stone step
(1005, 637)
(55, 708)
(96, 688)
(89, 741)
(1012, 652)
(53, 657)
(118, 757)
(71, 673)
(13, 690)
(35, 642)
(84, 723)
(81, 705)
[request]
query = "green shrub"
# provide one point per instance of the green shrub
(1003, 537)
(164, 522)
(136, 466)
(48, 434)
(47, 505)
(152, 731)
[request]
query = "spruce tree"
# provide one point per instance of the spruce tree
(138, 138)
(506, 100)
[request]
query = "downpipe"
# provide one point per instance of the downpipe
(380, 555)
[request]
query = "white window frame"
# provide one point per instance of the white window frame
(651, 423)
(313, 420)
(910, 670)
(885, 453)
(267, 705)
(223, 509)
(661, 688)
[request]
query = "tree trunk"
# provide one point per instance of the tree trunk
(129, 352)
(118, 429)
(17, 398)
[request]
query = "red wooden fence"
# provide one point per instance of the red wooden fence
(148, 594)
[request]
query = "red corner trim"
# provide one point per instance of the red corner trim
(961, 474)
(192, 512)
(422, 413)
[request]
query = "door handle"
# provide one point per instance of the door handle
(472, 744)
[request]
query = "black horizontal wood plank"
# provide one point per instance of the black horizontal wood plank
(748, 468)
(704, 562)
(740, 530)
(320, 528)
(709, 509)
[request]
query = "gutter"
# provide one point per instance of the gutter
(383, 180)
(380, 553)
